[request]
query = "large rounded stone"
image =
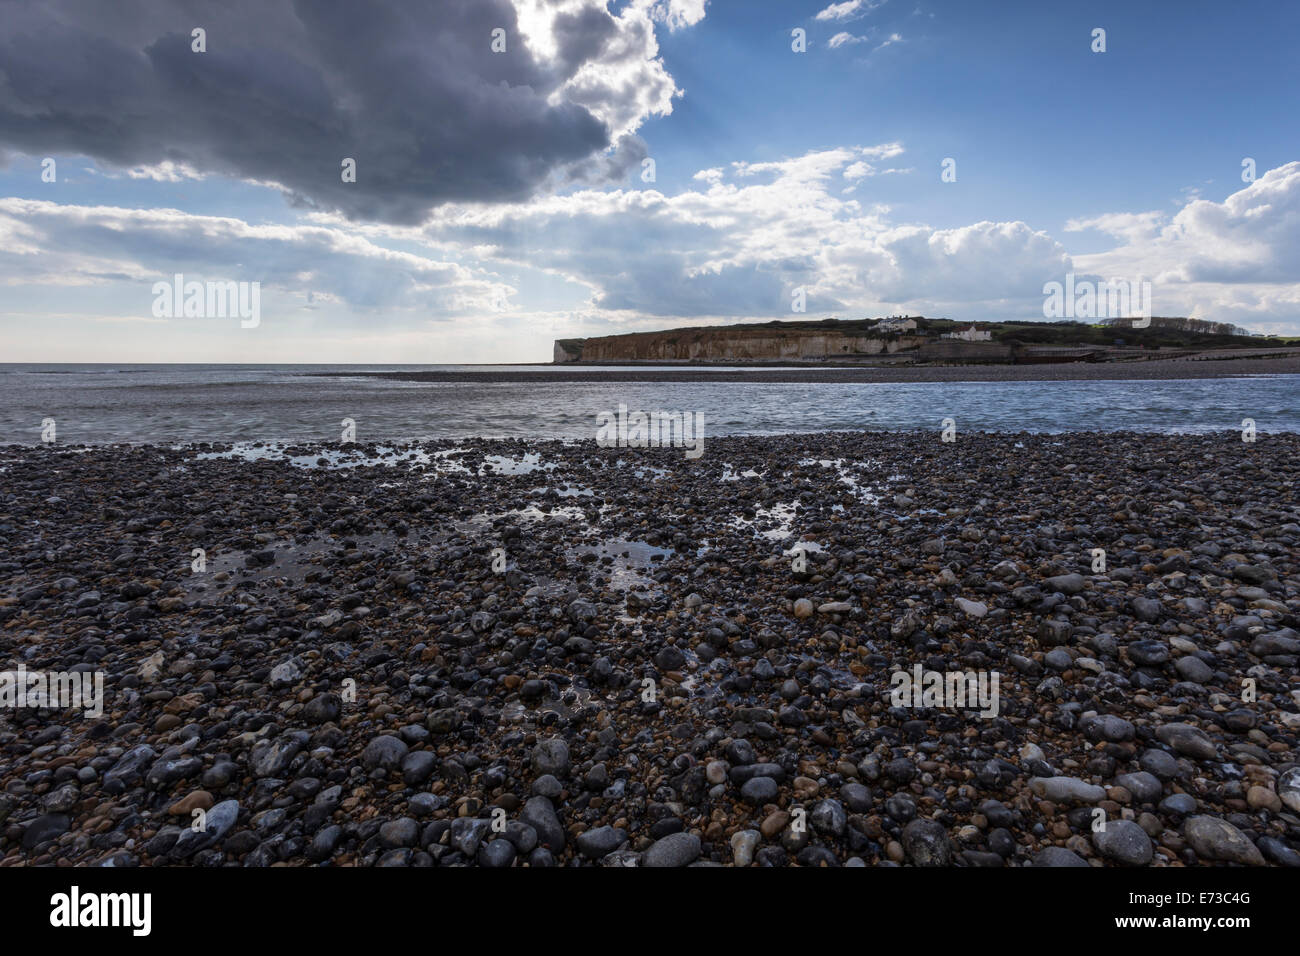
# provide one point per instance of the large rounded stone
(926, 843)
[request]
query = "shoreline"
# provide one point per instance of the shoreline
(1155, 370)
(517, 681)
(387, 452)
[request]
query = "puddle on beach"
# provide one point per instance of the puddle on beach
(840, 678)
(533, 513)
(628, 560)
(649, 472)
(442, 461)
(730, 474)
(331, 457)
(867, 493)
(566, 491)
(293, 561)
(506, 465)
(579, 699)
(782, 515)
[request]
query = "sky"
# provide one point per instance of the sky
(529, 170)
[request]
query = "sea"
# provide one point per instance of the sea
(180, 404)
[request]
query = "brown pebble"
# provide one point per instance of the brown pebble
(184, 807)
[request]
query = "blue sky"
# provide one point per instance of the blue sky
(1044, 129)
(502, 200)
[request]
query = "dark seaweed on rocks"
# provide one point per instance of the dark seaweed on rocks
(499, 653)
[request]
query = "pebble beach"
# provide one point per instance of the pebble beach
(540, 653)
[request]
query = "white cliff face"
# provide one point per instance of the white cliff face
(565, 351)
(727, 345)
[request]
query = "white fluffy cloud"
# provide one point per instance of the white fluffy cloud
(848, 10)
(675, 13)
(746, 236)
(612, 60)
(844, 38)
(45, 243)
(848, 39)
(1235, 260)
(739, 245)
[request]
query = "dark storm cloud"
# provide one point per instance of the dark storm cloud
(582, 35)
(408, 88)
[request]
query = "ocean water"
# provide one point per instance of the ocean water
(170, 404)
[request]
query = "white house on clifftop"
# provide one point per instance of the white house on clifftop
(895, 324)
(970, 335)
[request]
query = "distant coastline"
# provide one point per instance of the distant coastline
(776, 372)
(917, 340)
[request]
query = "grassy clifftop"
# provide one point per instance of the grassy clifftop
(1164, 332)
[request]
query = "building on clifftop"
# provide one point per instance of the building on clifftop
(971, 335)
(895, 323)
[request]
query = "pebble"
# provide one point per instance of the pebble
(1288, 789)
(497, 854)
(1144, 786)
(926, 843)
(1124, 842)
(674, 850)
(596, 843)
(539, 813)
(759, 790)
(384, 753)
(1058, 856)
(1067, 789)
(1216, 839)
(551, 758)
(743, 845)
(1188, 740)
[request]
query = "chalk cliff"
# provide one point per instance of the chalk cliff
(786, 341)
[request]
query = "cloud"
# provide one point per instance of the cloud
(1253, 236)
(741, 243)
(736, 244)
(164, 172)
(64, 245)
(1231, 261)
(844, 39)
(1122, 225)
(984, 262)
(675, 13)
(848, 10)
(848, 39)
(410, 89)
